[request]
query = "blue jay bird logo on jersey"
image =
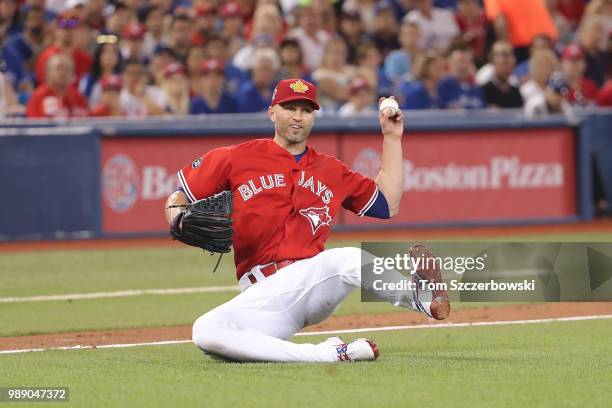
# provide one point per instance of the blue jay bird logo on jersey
(317, 217)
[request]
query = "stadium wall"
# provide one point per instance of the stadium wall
(110, 178)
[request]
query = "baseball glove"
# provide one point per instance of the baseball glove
(206, 223)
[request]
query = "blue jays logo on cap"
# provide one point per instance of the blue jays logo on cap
(196, 163)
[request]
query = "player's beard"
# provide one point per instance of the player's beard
(294, 136)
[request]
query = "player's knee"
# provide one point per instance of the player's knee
(204, 335)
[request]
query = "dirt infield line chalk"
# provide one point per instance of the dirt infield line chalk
(364, 330)
(120, 293)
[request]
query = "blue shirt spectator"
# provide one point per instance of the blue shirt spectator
(416, 96)
(455, 94)
(227, 104)
(250, 99)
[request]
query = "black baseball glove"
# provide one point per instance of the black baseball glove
(206, 223)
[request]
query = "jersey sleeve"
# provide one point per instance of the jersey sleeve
(206, 175)
(361, 192)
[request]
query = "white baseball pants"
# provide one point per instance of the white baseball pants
(255, 325)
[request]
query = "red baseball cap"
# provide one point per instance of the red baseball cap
(134, 31)
(573, 52)
(112, 83)
(295, 90)
(174, 68)
(212, 65)
(229, 10)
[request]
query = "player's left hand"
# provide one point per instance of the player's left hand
(392, 126)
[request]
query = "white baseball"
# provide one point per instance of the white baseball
(391, 104)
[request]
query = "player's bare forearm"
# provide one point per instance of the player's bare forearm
(175, 204)
(390, 179)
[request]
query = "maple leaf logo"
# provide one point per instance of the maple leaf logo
(298, 86)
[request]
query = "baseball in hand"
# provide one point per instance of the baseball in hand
(391, 105)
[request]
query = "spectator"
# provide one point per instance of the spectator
(267, 20)
(216, 48)
(458, 89)
(9, 14)
(110, 104)
(132, 42)
(136, 98)
(232, 27)
(162, 57)
(362, 99)
(311, 36)
(604, 97)
(204, 22)
(13, 65)
(118, 17)
(195, 58)
(564, 28)
(500, 92)
(292, 61)
(543, 63)
(582, 91)
(106, 62)
(399, 62)
(369, 66)
(64, 43)
(153, 19)
(429, 69)
(333, 75)
(175, 89)
(93, 14)
(385, 28)
(553, 100)
(593, 41)
(366, 10)
(472, 23)
(518, 21)
(213, 98)
(351, 30)
(243, 59)
(9, 105)
(57, 98)
(180, 36)
(540, 42)
(255, 95)
(438, 26)
(32, 40)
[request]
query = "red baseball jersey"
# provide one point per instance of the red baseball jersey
(282, 208)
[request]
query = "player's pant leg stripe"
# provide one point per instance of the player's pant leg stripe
(185, 186)
(369, 203)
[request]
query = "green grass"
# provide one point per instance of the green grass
(565, 364)
(84, 271)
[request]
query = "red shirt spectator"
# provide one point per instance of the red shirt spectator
(582, 91)
(64, 43)
(57, 98)
(472, 23)
(47, 103)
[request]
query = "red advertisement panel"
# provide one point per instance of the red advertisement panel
(138, 174)
(476, 175)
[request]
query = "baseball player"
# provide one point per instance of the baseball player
(285, 197)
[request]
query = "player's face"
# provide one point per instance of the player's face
(293, 120)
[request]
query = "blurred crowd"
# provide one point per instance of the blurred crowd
(137, 58)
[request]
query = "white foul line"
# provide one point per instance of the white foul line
(348, 331)
(120, 293)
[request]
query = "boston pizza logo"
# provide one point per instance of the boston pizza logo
(317, 217)
(120, 182)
